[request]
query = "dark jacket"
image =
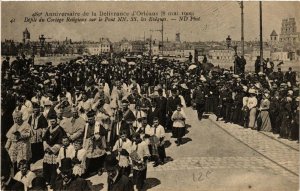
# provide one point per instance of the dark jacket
(42, 122)
(76, 184)
(172, 104)
(199, 96)
(122, 183)
(14, 185)
(161, 102)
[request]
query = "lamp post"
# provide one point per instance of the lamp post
(228, 42)
(260, 37)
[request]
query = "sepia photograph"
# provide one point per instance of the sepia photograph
(150, 95)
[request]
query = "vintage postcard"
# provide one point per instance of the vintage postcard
(161, 95)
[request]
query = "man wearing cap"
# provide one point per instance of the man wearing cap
(52, 142)
(95, 144)
(69, 181)
(18, 140)
(74, 126)
(38, 124)
(116, 180)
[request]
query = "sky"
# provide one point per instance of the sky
(217, 20)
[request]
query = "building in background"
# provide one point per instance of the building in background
(274, 38)
(26, 36)
(105, 45)
(221, 53)
(289, 32)
(125, 46)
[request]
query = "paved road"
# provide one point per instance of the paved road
(218, 156)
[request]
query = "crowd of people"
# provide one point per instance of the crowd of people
(110, 113)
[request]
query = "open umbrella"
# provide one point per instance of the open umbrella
(191, 67)
(131, 63)
(105, 62)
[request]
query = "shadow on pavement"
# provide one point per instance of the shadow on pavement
(168, 159)
(186, 131)
(186, 140)
(167, 143)
(188, 126)
(151, 183)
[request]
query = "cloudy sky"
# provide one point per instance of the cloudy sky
(218, 19)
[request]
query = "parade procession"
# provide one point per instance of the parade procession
(136, 96)
(96, 114)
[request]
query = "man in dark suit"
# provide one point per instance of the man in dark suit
(172, 103)
(257, 64)
(38, 124)
(116, 180)
(5, 65)
(161, 103)
(128, 118)
(290, 76)
(7, 182)
(279, 77)
(68, 181)
(199, 100)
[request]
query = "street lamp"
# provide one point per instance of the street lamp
(228, 42)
